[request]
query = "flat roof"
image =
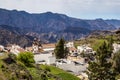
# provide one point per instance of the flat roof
(51, 45)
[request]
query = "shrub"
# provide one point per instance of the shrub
(10, 59)
(47, 69)
(27, 58)
(12, 56)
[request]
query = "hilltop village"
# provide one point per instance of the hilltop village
(75, 63)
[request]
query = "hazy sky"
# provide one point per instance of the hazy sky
(84, 9)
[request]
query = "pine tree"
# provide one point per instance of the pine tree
(101, 68)
(66, 52)
(110, 45)
(60, 50)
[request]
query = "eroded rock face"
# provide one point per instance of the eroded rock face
(11, 35)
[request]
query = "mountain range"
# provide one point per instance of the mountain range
(49, 27)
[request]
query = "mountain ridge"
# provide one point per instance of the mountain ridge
(40, 19)
(52, 26)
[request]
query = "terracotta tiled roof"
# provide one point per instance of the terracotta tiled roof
(21, 50)
(52, 45)
(72, 49)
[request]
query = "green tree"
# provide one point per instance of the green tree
(60, 50)
(101, 68)
(66, 52)
(26, 57)
(110, 45)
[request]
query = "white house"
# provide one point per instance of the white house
(70, 44)
(29, 49)
(116, 47)
(72, 50)
(35, 48)
(2, 48)
(84, 48)
(51, 60)
(45, 58)
(15, 49)
(48, 47)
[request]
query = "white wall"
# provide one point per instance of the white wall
(47, 57)
(77, 69)
(70, 44)
(51, 60)
(49, 49)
